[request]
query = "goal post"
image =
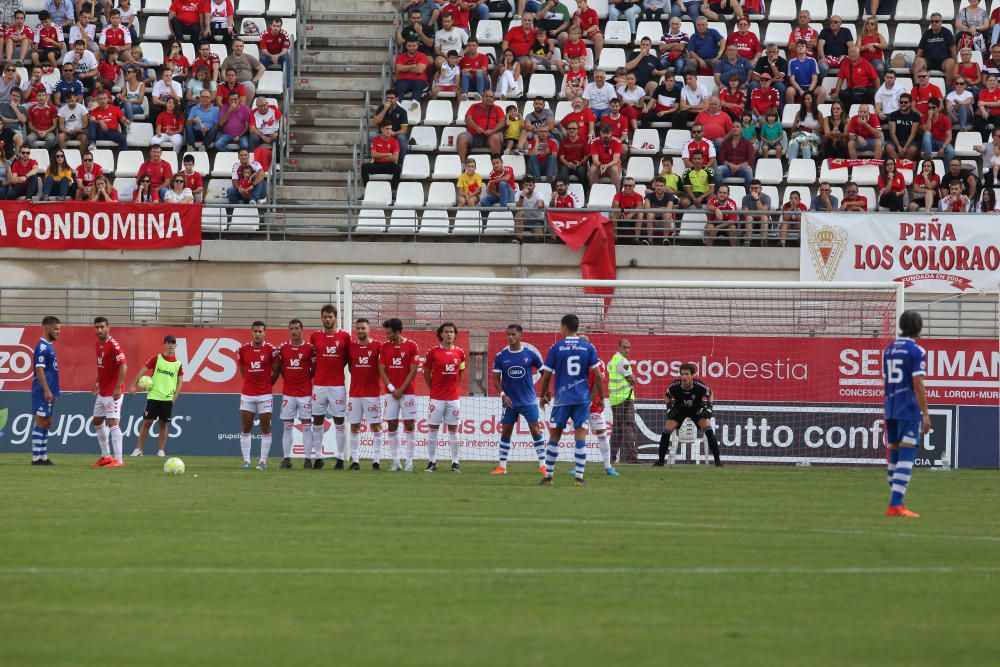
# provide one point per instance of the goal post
(795, 367)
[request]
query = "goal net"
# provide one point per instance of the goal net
(790, 364)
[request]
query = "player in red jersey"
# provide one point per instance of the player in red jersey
(329, 394)
(259, 370)
(600, 421)
(443, 370)
(295, 360)
(397, 367)
(366, 393)
(111, 369)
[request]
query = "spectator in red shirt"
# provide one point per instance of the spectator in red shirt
(520, 39)
(411, 72)
(157, 169)
(385, 156)
(192, 178)
(715, 122)
(42, 123)
(736, 158)
(106, 122)
(501, 188)
(853, 202)
(274, 47)
(937, 133)
(583, 117)
(542, 151)
(484, 125)
(606, 158)
(891, 187)
(475, 69)
(589, 23)
(145, 192)
(626, 207)
(209, 60)
(187, 20)
(857, 79)
(864, 134)
(792, 216)
(721, 214)
(764, 98)
(573, 156)
(86, 175)
(23, 179)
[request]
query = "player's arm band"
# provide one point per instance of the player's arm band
(502, 394)
(391, 387)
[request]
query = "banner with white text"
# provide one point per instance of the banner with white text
(99, 225)
(927, 253)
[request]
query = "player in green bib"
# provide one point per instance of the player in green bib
(168, 375)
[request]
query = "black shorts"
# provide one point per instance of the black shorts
(162, 410)
(43, 53)
(679, 414)
(479, 140)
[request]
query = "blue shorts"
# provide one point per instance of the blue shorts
(40, 407)
(529, 412)
(902, 430)
(580, 414)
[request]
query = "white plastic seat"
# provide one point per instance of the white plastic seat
(846, 9)
(869, 194)
(640, 168)
(778, 33)
(157, 29)
(907, 35)
(788, 115)
(441, 194)
(782, 10)
(153, 52)
(125, 186)
(250, 8)
(576, 189)
(416, 167)
(139, 135)
(247, 20)
(106, 159)
(145, 306)
(562, 109)
(434, 222)
(447, 168)
(611, 59)
(645, 142)
(215, 190)
(156, 7)
(41, 156)
(601, 195)
(484, 164)
(449, 139)
(370, 221)
(517, 163)
(130, 161)
(964, 142)
(281, 8)
(909, 10)
(768, 171)
(467, 220)
(817, 9)
(440, 112)
(675, 141)
(944, 7)
(271, 83)
(73, 158)
(409, 194)
(709, 83)
(378, 193)
(423, 138)
(500, 223)
(865, 174)
(601, 7)
(541, 85)
(244, 219)
(201, 163)
(489, 31)
(617, 33)
(651, 29)
(223, 165)
(832, 176)
(403, 220)
(801, 171)
(692, 226)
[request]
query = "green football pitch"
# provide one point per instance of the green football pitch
(681, 566)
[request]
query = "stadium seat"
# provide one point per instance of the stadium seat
(130, 161)
(370, 221)
(846, 9)
(423, 138)
(271, 83)
(769, 171)
(447, 168)
(832, 176)
(403, 221)
(223, 165)
(145, 306)
(599, 6)
(201, 162)
(281, 8)
(439, 112)
(244, 219)
(500, 222)
(105, 158)
(434, 222)
(41, 156)
(153, 52)
(416, 167)
(601, 195)
(215, 191)
(544, 190)
(944, 7)
(617, 33)
(720, 27)
(907, 35)
(562, 108)
(441, 194)
(782, 10)
(378, 193)
(788, 115)
(483, 163)
(206, 307)
(865, 174)
(651, 29)
(138, 136)
(504, 105)
(517, 163)
(871, 196)
(909, 10)
(125, 186)
(577, 190)
(73, 158)
(170, 157)
(778, 33)
(817, 9)
(801, 171)
(157, 29)
(964, 142)
(611, 59)
(213, 218)
(645, 142)
(414, 114)
(736, 192)
(692, 226)
(709, 83)
(675, 140)
(156, 7)
(449, 139)
(468, 221)
(254, 20)
(489, 31)
(640, 168)
(250, 8)
(541, 85)
(409, 195)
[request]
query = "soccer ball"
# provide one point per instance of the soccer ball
(174, 466)
(145, 383)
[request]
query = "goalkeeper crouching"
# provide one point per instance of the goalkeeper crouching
(688, 398)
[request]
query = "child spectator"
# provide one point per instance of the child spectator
(512, 131)
(469, 185)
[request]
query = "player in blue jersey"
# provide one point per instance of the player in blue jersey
(569, 362)
(904, 365)
(44, 390)
(513, 379)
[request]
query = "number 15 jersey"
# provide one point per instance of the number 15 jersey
(901, 362)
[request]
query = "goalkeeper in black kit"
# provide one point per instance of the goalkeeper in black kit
(688, 398)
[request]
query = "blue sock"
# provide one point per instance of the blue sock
(551, 455)
(39, 443)
(581, 457)
(901, 478)
(891, 468)
(540, 448)
(504, 452)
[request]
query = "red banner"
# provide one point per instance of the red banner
(575, 228)
(844, 163)
(599, 261)
(813, 370)
(208, 356)
(99, 225)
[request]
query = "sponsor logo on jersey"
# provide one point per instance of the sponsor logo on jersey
(516, 372)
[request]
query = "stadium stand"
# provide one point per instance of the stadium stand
(95, 55)
(938, 57)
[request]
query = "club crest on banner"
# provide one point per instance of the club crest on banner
(827, 244)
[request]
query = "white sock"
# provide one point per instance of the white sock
(116, 441)
(432, 446)
(265, 447)
(316, 447)
(102, 439)
(341, 440)
(355, 440)
(286, 439)
(394, 446)
(245, 446)
(604, 442)
(378, 446)
(453, 438)
(411, 442)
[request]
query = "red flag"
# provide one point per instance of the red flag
(599, 258)
(575, 228)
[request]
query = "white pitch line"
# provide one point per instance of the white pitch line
(499, 571)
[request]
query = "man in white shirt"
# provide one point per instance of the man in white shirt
(84, 62)
(529, 218)
(599, 94)
(448, 38)
(265, 121)
(164, 88)
(86, 30)
(887, 97)
(72, 122)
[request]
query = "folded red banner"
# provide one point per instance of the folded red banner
(844, 163)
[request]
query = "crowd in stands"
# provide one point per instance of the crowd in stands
(86, 115)
(669, 110)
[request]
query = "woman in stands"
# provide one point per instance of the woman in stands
(201, 80)
(972, 24)
(145, 193)
(633, 100)
(835, 133)
(169, 127)
(58, 181)
(969, 70)
(179, 192)
(891, 187)
(792, 216)
(806, 129)
(874, 45)
(987, 201)
(103, 190)
(132, 94)
(926, 188)
(507, 75)
(178, 62)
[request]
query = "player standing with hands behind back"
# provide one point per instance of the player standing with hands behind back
(111, 370)
(904, 365)
(570, 362)
(258, 367)
(688, 398)
(443, 370)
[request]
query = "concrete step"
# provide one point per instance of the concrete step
(315, 162)
(344, 33)
(324, 138)
(337, 87)
(374, 10)
(377, 52)
(343, 69)
(313, 111)
(312, 193)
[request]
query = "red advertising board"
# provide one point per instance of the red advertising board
(208, 355)
(821, 370)
(99, 226)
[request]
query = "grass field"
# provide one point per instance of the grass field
(684, 566)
